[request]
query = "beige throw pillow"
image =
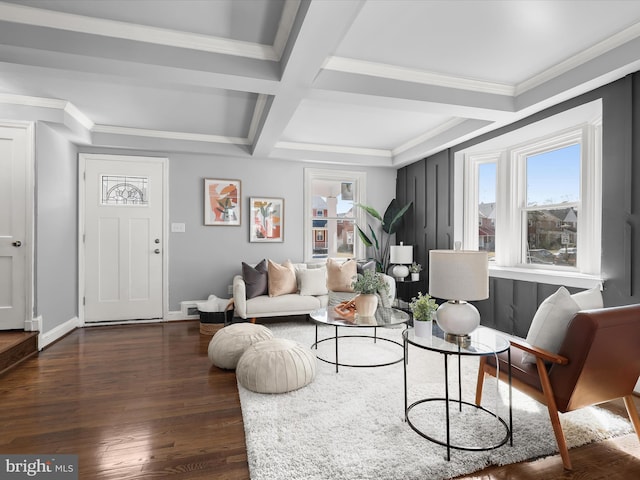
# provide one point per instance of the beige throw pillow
(340, 275)
(282, 279)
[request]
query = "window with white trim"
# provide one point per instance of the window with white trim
(330, 213)
(536, 205)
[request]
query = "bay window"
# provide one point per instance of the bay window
(535, 203)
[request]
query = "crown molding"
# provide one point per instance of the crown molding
(362, 67)
(29, 101)
(168, 135)
(41, 102)
(141, 33)
(449, 124)
(591, 53)
(78, 115)
(315, 147)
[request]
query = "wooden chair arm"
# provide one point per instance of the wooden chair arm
(541, 353)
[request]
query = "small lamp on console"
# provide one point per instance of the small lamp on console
(458, 276)
(401, 255)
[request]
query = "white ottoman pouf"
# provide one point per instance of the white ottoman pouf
(276, 366)
(229, 343)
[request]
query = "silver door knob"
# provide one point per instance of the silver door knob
(17, 243)
(157, 250)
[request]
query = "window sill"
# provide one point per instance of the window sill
(568, 279)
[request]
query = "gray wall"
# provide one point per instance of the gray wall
(204, 259)
(56, 232)
(511, 304)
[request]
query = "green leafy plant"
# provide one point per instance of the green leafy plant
(415, 268)
(423, 307)
(379, 237)
(368, 282)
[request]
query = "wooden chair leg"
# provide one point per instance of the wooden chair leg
(480, 381)
(553, 414)
(633, 413)
(253, 320)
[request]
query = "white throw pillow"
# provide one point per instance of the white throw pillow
(589, 299)
(550, 323)
(313, 281)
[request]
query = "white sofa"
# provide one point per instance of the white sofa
(290, 304)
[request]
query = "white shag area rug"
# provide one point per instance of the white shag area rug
(350, 425)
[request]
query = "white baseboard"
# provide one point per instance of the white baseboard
(179, 315)
(33, 325)
(60, 331)
(637, 389)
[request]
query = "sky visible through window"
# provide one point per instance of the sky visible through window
(552, 178)
(487, 183)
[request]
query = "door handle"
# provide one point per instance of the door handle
(17, 243)
(157, 250)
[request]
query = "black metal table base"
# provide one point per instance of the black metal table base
(458, 402)
(448, 443)
(374, 337)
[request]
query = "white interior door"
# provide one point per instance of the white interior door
(14, 163)
(123, 238)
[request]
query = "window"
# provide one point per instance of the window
(124, 190)
(486, 214)
(331, 214)
(535, 205)
(551, 205)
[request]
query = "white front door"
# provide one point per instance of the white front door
(123, 237)
(14, 168)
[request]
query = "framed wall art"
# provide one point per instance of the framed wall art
(266, 221)
(222, 202)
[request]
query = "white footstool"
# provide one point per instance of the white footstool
(229, 343)
(276, 366)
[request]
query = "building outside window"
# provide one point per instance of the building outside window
(330, 213)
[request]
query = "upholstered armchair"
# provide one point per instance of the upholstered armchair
(598, 361)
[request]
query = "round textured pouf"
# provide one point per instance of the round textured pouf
(276, 366)
(229, 343)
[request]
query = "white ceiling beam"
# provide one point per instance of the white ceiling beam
(402, 103)
(318, 29)
(25, 60)
(485, 104)
(40, 17)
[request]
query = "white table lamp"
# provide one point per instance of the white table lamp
(401, 255)
(458, 276)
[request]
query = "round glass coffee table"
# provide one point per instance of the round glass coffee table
(481, 342)
(384, 317)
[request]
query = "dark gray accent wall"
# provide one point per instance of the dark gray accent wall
(429, 223)
(56, 231)
(512, 304)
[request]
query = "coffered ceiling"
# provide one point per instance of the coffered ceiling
(364, 82)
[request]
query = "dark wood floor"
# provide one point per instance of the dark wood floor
(143, 402)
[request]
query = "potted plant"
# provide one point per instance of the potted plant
(379, 238)
(367, 285)
(423, 308)
(415, 270)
